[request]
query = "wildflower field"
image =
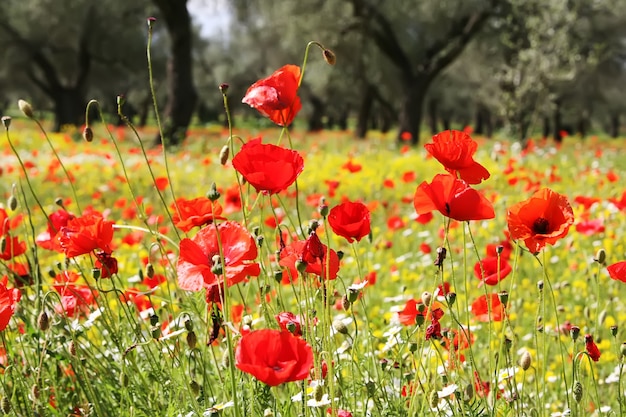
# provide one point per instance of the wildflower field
(281, 273)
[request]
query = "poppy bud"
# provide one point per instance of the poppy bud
(156, 332)
(150, 270)
(224, 88)
(58, 201)
(72, 348)
(192, 340)
(278, 276)
(301, 266)
(323, 210)
(189, 325)
(224, 154)
(503, 296)
(525, 360)
(419, 320)
(340, 254)
(329, 57)
(96, 273)
(451, 298)
(12, 202)
(43, 322)
(318, 392)
(120, 100)
(345, 303)
(194, 386)
(353, 294)
(25, 108)
(213, 194)
(600, 256)
(150, 21)
(412, 347)
(540, 285)
(577, 390)
(5, 405)
(6, 121)
(441, 256)
(614, 330)
(259, 240)
(154, 320)
(340, 327)
(499, 249)
(426, 298)
(268, 413)
(87, 134)
(574, 331)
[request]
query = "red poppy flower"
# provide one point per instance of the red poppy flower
(492, 272)
(543, 218)
(590, 227)
(592, 348)
(350, 220)
(290, 322)
(453, 198)
(617, 271)
(276, 96)
(274, 357)
(199, 264)
(455, 150)
(480, 309)
(8, 302)
(414, 308)
(84, 234)
(340, 412)
(106, 264)
(313, 253)
(56, 221)
(268, 167)
(13, 247)
(196, 212)
(75, 298)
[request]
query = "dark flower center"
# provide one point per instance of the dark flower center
(541, 226)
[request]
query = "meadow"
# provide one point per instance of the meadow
(309, 274)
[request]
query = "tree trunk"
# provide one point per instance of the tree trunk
(615, 125)
(412, 103)
(557, 122)
(69, 107)
(364, 112)
(583, 124)
(181, 92)
(316, 122)
(546, 127)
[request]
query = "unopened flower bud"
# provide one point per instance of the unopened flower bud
(574, 331)
(278, 276)
(323, 210)
(224, 154)
(329, 57)
(25, 108)
(6, 121)
(301, 266)
(189, 325)
(150, 270)
(577, 390)
(150, 21)
(318, 392)
(345, 303)
(614, 330)
(156, 332)
(426, 298)
(72, 348)
(154, 320)
(268, 413)
(192, 340)
(43, 322)
(441, 256)
(224, 88)
(503, 296)
(419, 320)
(525, 360)
(194, 386)
(5, 405)
(451, 298)
(499, 249)
(87, 134)
(433, 399)
(600, 256)
(12, 202)
(96, 273)
(340, 327)
(213, 194)
(540, 285)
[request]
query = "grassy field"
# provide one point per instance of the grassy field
(77, 342)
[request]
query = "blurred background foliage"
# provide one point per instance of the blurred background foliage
(418, 66)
